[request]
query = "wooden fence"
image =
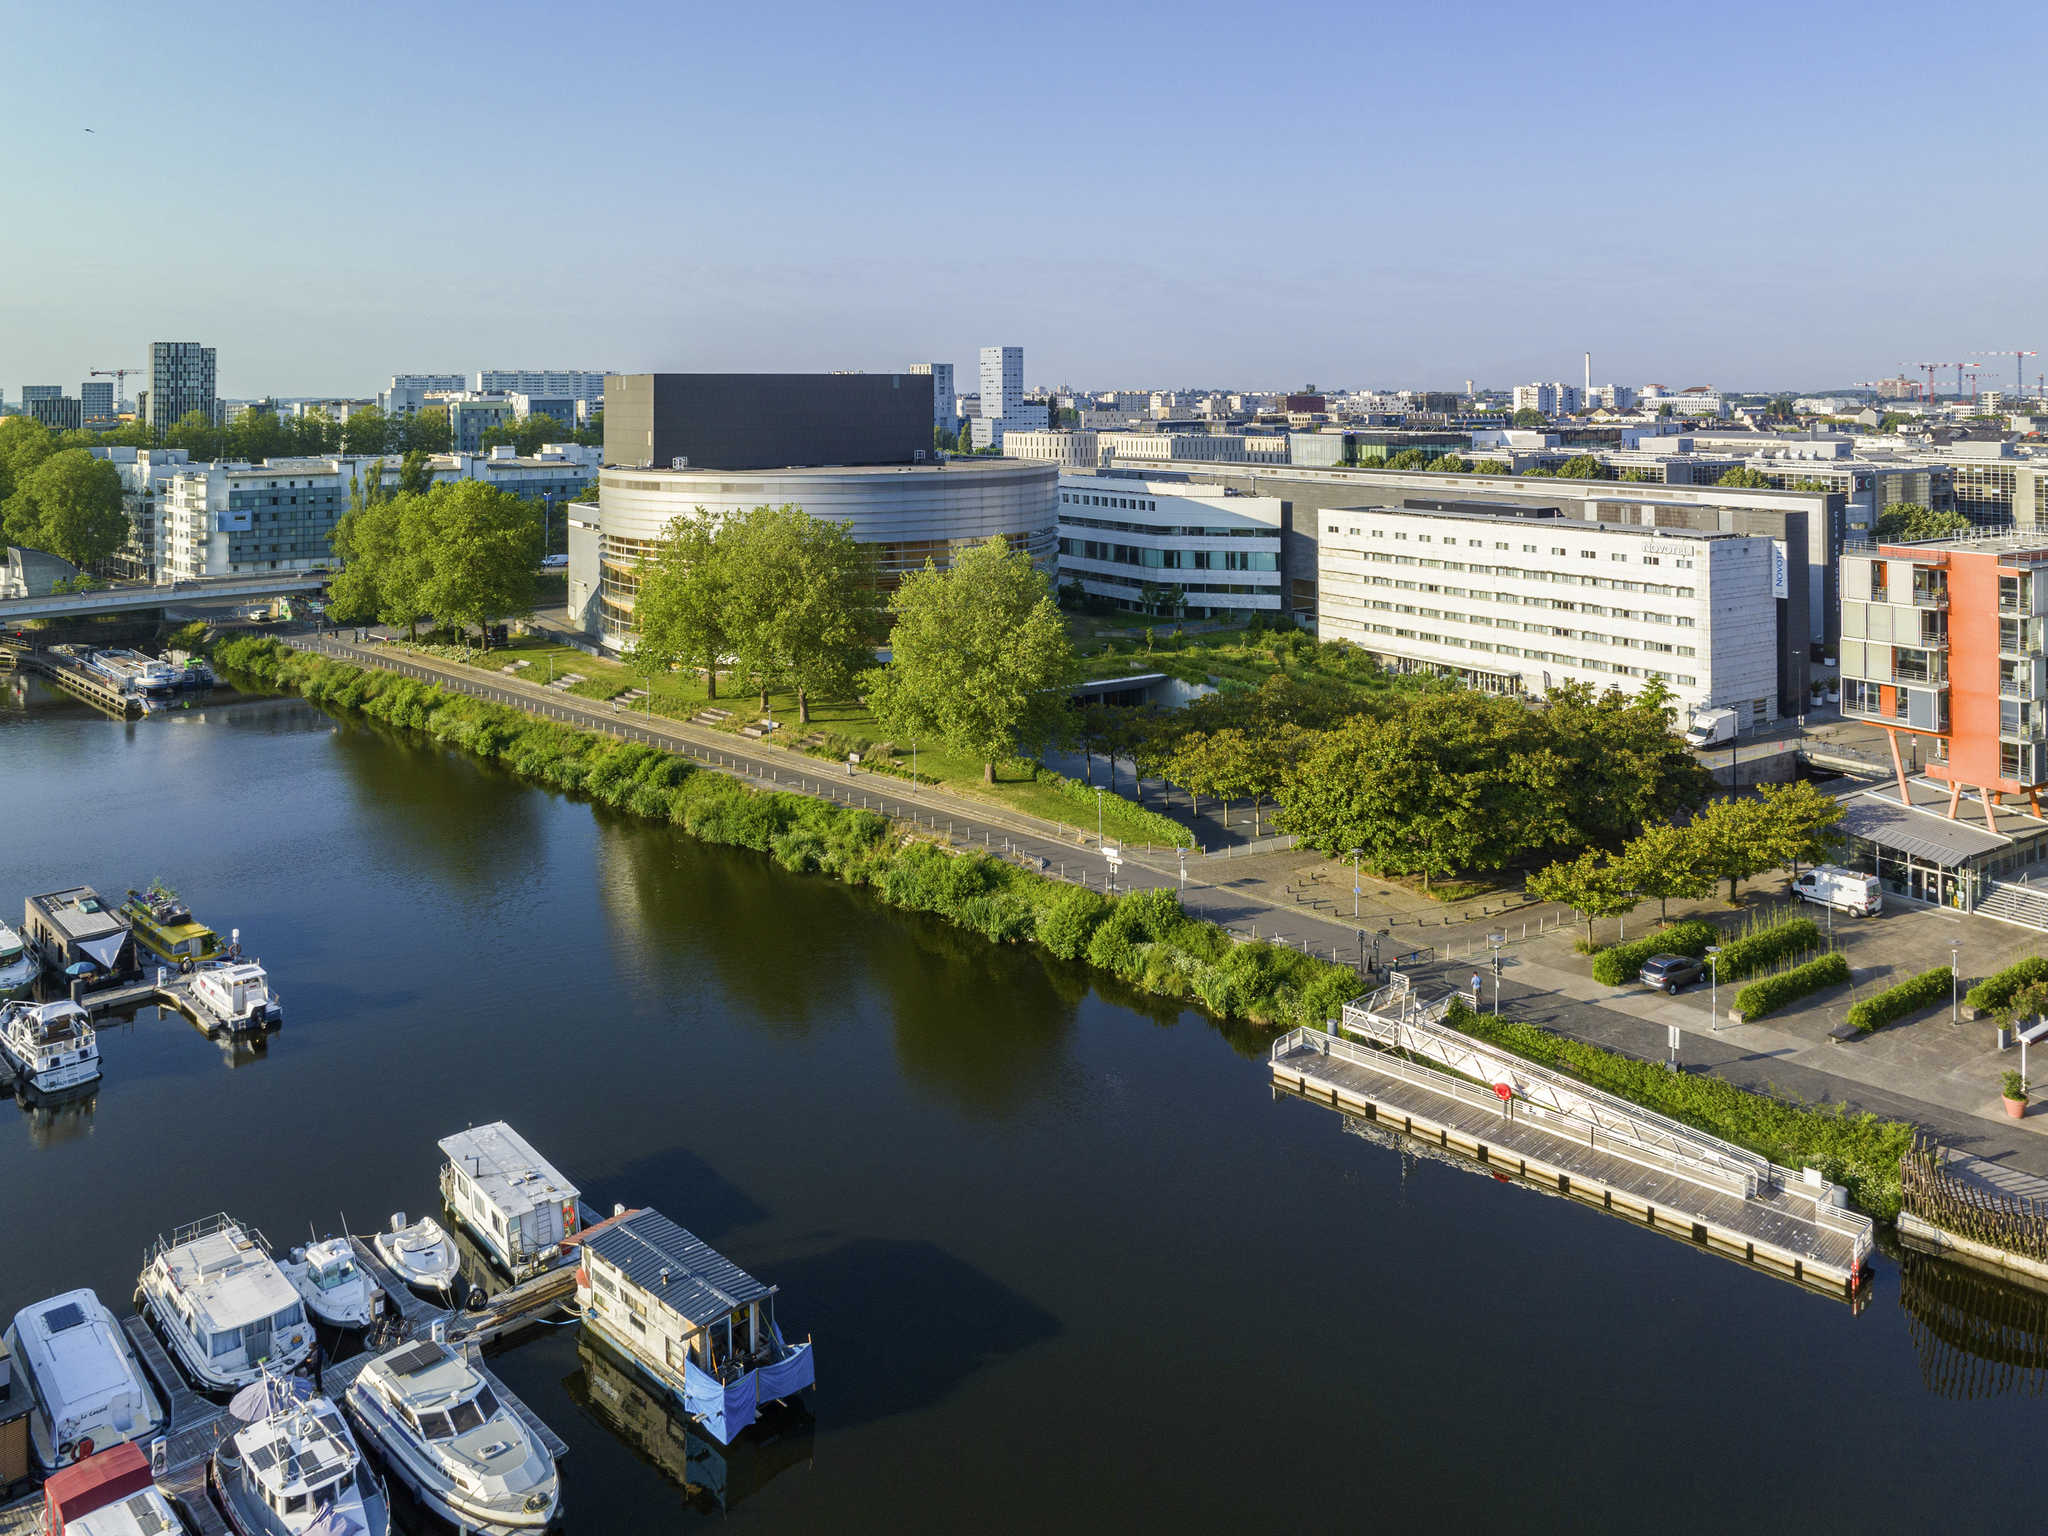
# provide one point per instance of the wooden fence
(2005, 1222)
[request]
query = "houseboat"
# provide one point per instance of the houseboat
(294, 1470)
(509, 1196)
(696, 1324)
(18, 968)
(238, 997)
(440, 1430)
(222, 1304)
(76, 933)
(165, 928)
(90, 1395)
(52, 1047)
(111, 1493)
(331, 1283)
(133, 672)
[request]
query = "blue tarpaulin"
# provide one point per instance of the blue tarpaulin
(726, 1410)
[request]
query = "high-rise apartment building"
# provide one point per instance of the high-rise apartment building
(59, 412)
(1003, 406)
(409, 392)
(574, 383)
(96, 401)
(181, 380)
(31, 393)
(944, 413)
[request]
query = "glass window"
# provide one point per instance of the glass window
(465, 1417)
(435, 1426)
(223, 1343)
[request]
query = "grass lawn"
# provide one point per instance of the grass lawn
(839, 727)
(1232, 656)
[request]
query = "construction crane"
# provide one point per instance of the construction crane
(1931, 367)
(120, 378)
(2019, 367)
(1974, 369)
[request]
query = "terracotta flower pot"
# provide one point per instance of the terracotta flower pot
(2017, 1108)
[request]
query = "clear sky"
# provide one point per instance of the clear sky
(1259, 195)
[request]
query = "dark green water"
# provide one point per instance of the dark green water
(1066, 1261)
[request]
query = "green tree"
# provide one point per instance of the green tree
(315, 432)
(1667, 862)
(1625, 766)
(1408, 458)
(801, 604)
(1492, 467)
(1449, 464)
(70, 505)
(963, 440)
(427, 431)
(481, 546)
(1801, 822)
(526, 436)
(1529, 419)
(1736, 840)
(258, 434)
(1591, 885)
(1909, 521)
(679, 609)
(367, 430)
(196, 433)
(1582, 466)
(980, 656)
(1638, 477)
(1746, 479)
(24, 443)
(415, 473)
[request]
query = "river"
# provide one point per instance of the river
(1066, 1260)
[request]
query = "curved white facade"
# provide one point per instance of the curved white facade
(907, 513)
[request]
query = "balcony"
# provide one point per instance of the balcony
(1929, 596)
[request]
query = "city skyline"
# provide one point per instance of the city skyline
(1209, 202)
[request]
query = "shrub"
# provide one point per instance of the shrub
(1067, 919)
(1753, 953)
(1994, 993)
(1858, 1151)
(1909, 996)
(2013, 1086)
(1774, 992)
(1617, 965)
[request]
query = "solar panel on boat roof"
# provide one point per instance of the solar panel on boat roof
(147, 1520)
(410, 1362)
(263, 1457)
(57, 1319)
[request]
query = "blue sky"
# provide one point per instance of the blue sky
(1139, 195)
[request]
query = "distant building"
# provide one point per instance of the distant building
(96, 402)
(145, 475)
(1552, 399)
(1003, 406)
(411, 393)
(1314, 405)
(1072, 450)
(944, 410)
(60, 413)
(1183, 551)
(31, 393)
(573, 383)
(471, 416)
(181, 380)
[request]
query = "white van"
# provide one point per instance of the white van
(1844, 889)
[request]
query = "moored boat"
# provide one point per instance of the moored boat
(134, 672)
(420, 1253)
(164, 926)
(222, 1304)
(111, 1493)
(441, 1430)
(52, 1047)
(89, 1393)
(294, 1469)
(238, 996)
(331, 1283)
(18, 967)
(518, 1205)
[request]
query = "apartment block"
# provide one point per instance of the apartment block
(1517, 603)
(944, 412)
(181, 380)
(1176, 550)
(233, 518)
(1071, 450)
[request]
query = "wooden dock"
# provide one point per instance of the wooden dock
(173, 991)
(524, 1304)
(1565, 1137)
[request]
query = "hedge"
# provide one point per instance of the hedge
(1858, 1151)
(1618, 964)
(1752, 954)
(1993, 993)
(1144, 938)
(1909, 996)
(1774, 992)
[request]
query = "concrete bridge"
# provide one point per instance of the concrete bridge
(173, 594)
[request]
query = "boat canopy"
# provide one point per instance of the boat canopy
(105, 950)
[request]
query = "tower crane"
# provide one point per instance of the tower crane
(120, 378)
(2019, 367)
(1931, 367)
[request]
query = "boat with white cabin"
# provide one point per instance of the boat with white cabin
(88, 1391)
(420, 1253)
(111, 1493)
(134, 672)
(238, 996)
(51, 1046)
(18, 966)
(440, 1430)
(519, 1206)
(330, 1282)
(294, 1469)
(222, 1304)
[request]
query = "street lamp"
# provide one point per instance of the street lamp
(1714, 985)
(1496, 938)
(1183, 867)
(1955, 981)
(1354, 882)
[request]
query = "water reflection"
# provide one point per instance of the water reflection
(715, 1477)
(53, 1121)
(1976, 1335)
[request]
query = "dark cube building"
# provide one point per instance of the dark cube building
(766, 420)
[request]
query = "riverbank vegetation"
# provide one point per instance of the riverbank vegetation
(1143, 938)
(1858, 1151)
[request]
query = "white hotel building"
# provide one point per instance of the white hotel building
(1207, 552)
(1519, 604)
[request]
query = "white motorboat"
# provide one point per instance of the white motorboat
(441, 1430)
(89, 1392)
(50, 1046)
(294, 1470)
(222, 1304)
(332, 1284)
(420, 1253)
(238, 996)
(18, 967)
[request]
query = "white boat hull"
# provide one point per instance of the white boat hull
(74, 1074)
(404, 1463)
(346, 1306)
(432, 1268)
(17, 978)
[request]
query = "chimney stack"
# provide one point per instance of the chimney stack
(1589, 373)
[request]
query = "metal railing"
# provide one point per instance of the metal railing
(205, 1226)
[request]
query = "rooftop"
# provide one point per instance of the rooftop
(227, 1276)
(1548, 517)
(678, 1269)
(504, 1166)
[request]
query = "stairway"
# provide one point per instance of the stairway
(2023, 905)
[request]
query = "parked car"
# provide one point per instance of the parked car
(1671, 972)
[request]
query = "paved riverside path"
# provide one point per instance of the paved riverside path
(1528, 991)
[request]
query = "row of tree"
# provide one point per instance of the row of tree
(1729, 839)
(462, 554)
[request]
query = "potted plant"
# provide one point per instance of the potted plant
(2015, 1092)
